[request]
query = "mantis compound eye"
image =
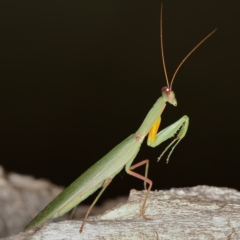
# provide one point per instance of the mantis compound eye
(166, 90)
(167, 93)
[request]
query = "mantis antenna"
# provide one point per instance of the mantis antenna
(161, 43)
(181, 63)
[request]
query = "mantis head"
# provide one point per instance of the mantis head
(169, 96)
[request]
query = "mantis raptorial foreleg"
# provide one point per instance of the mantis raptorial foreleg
(181, 125)
(102, 172)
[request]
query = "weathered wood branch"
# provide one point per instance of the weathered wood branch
(200, 212)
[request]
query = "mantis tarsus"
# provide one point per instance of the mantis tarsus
(103, 171)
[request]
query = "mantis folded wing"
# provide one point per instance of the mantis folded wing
(103, 171)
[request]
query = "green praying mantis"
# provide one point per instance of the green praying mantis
(102, 172)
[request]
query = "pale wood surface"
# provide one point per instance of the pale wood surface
(200, 212)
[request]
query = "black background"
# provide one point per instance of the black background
(77, 77)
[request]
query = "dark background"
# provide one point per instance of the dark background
(77, 77)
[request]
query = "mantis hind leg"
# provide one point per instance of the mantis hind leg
(144, 178)
(106, 183)
(72, 212)
(146, 169)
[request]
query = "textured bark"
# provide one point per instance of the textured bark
(23, 197)
(200, 212)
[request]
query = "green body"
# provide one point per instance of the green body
(108, 166)
(88, 182)
(103, 171)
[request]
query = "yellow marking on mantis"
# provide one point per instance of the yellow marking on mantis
(152, 135)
